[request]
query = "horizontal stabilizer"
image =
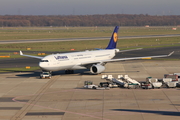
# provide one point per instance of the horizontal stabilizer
(130, 50)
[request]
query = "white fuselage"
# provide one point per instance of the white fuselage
(74, 60)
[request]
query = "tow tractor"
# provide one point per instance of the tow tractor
(90, 85)
(45, 75)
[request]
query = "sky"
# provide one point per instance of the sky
(89, 7)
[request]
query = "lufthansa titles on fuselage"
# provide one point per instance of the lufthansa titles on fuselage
(61, 58)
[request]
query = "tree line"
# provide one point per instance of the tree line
(89, 20)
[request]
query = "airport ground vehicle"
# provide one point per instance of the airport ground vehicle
(145, 85)
(154, 82)
(133, 85)
(122, 81)
(90, 85)
(126, 82)
(175, 76)
(171, 84)
(108, 84)
(45, 75)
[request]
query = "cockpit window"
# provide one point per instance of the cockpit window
(44, 61)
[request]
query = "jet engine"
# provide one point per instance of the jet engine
(96, 69)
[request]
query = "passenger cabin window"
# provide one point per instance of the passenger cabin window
(44, 61)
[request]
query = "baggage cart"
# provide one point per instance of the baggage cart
(151, 80)
(165, 80)
(145, 85)
(171, 84)
(133, 86)
(156, 85)
(174, 77)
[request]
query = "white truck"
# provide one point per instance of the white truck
(45, 75)
(90, 85)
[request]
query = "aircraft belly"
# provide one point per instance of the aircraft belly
(78, 67)
(57, 68)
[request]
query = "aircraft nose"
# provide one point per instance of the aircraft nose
(42, 65)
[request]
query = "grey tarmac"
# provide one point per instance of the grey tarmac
(26, 97)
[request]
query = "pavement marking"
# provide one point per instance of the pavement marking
(9, 99)
(20, 114)
(65, 111)
(170, 101)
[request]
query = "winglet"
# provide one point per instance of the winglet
(20, 52)
(171, 53)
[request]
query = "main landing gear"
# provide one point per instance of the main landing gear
(69, 71)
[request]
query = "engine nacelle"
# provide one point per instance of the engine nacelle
(96, 69)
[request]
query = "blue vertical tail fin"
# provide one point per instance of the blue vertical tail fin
(114, 38)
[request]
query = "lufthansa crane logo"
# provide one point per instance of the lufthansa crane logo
(115, 36)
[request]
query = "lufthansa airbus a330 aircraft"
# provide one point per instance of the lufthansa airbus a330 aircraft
(94, 60)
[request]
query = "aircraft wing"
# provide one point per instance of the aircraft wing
(123, 59)
(30, 55)
(134, 58)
